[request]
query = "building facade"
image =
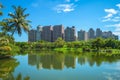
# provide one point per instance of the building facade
(82, 35)
(38, 33)
(47, 33)
(58, 32)
(98, 32)
(91, 34)
(51, 34)
(32, 35)
(70, 34)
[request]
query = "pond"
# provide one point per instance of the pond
(60, 66)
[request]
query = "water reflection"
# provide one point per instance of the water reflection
(7, 66)
(97, 59)
(61, 66)
(52, 61)
(60, 61)
(18, 77)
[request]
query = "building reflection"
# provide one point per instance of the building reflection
(52, 61)
(81, 60)
(70, 61)
(97, 59)
(59, 61)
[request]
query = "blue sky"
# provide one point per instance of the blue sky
(83, 14)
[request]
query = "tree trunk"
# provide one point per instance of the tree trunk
(13, 31)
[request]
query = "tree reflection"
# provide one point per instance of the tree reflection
(57, 60)
(7, 66)
(97, 59)
(19, 77)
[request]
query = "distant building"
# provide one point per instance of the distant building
(47, 33)
(98, 32)
(86, 36)
(91, 33)
(82, 35)
(58, 31)
(115, 37)
(38, 33)
(32, 35)
(107, 34)
(70, 34)
(51, 34)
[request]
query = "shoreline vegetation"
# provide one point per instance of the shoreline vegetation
(16, 23)
(98, 45)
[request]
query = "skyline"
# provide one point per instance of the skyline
(69, 34)
(83, 14)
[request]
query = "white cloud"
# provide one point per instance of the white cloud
(118, 5)
(105, 20)
(112, 15)
(110, 12)
(64, 8)
(114, 19)
(108, 16)
(116, 28)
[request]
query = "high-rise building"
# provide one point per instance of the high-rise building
(115, 37)
(86, 36)
(107, 34)
(32, 35)
(98, 32)
(51, 34)
(47, 33)
(70, 34)
(82, 35)
(58, 31)
(38, 33)
(91, 33)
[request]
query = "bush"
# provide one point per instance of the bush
(5, 48)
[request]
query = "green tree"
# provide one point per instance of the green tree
(1, 6)
(97, 43)
(110, 43)
(5, 28)
(18, 20)
(59, 42)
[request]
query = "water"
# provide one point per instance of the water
(59, 66)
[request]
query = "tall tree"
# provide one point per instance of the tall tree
(1, 6)
(18, 20)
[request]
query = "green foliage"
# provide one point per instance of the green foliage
(59, 43)
(18, 21)
(97, 43)
(94, 45)
(7, 66)
(7, 46)
(111, 43)
(1, 6)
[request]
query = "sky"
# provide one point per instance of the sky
(83, 14)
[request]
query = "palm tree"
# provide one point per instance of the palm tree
(1, 6)
(5, 28)
(18, 20)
